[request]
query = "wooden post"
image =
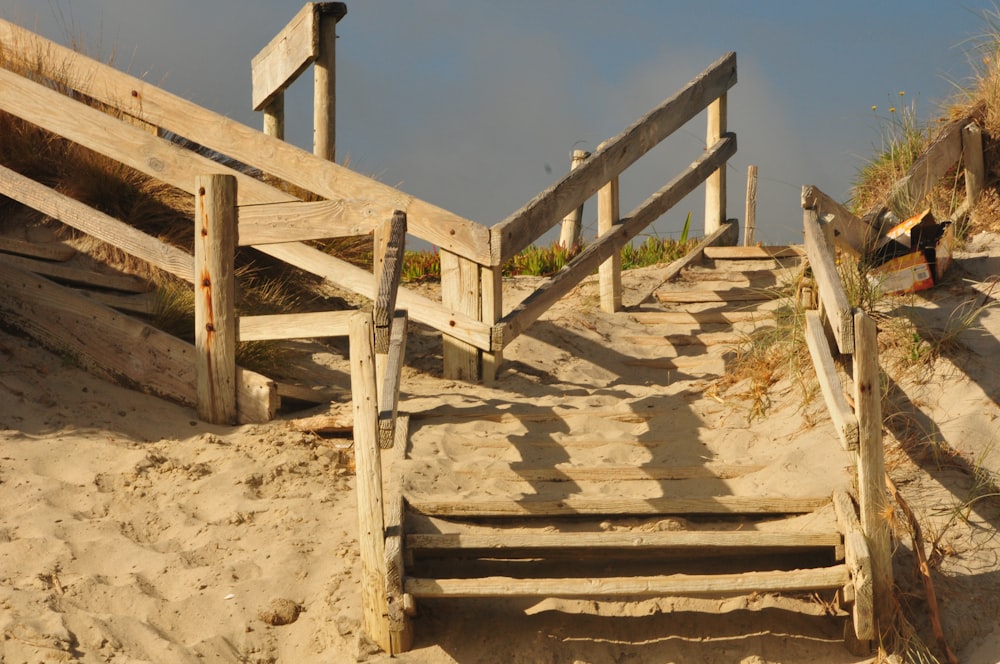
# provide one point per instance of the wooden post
(610, 272)
(274, 117)
(715, 185)
(751, 222)
(460, 294)
(569, 235)
(872, 495)
(325, 93)
(367, 458)
(491, 292)
(972, 156)
(215, 297)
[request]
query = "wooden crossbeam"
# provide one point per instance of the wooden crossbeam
(623, 540)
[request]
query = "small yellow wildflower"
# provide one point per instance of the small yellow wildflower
(892, 109)
(874, 107)
(902, 93)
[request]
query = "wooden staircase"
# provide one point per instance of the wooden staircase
(634, 501)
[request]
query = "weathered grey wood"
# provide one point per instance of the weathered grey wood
(96, 224)
(638, 586)
(850, 233)
(623, 540)
(569, 234)
(743, 253)
(491, 294)
(388, 395)
(528, 311)
(729, 295)
(831, 289)
(78, 275)
(313, 325)
(400, 627)
(873, 498)
(545, 210)
(529, 506)
(841, 412)
(274, 116)
(859, 564)
(116, 347)
(421, 309)
(155, 106)
(941, 155)
(610, 271)
(215, 297)
(750, 224)
(297, 221)
(388, 283)
(367, 459)
(460, 283)
(972, 157)
(715, 185)
(325, 87)
(51, 251)
(139, 303)
(286, 56)
(700, 317)
(572, 473)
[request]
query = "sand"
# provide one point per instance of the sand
(130, 532)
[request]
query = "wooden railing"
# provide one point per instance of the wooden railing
(471, 313)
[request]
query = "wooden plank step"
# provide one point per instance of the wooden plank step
(700, 317)
(731, 295)
(605, 505)
(625, 540)
(701, 339)
(52, 251)
(826, 578)
(562, 473)
(742, 253)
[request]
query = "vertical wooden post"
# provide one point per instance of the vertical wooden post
(274, 117)
(569, 234)
(460, 293)
(751, 223)
(367, 459)
(325, 92)
(872, 495)
(972, 156)
(611, 270)
(491, 291)
(215, 297)
(715, 185)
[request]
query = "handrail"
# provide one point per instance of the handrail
(548, 208)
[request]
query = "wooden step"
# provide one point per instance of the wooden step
(567, 473)
(589, 505)
(625, 540)
(744, 253)
(730, 295)
(700, 317)
(825, 578)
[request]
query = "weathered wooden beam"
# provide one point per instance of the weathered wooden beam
(119, 348)
(298, 221)
(388, 394)
(78, 275)
(367, 459)
(831, 289)
(700, 317)
(399, 624)
(313, 325)
(873, 497)
(215, 320)
(610, 271)
(972, 158)
(571, 505)
(691, 257)
(740, 253)
(325, 84)
(50, 251)
(841, 412)
(391, 261)
(637, 586)
(728, 295)
(570, 233)
(715, 185)
(571, 473)
(528, 311)
(623, 540)
(850, 233)
(941, 155)
(859, 564)
(183, 118)
(460, 283)
(750, 223)
(545, 210)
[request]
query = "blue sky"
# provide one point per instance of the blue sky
(476, 105)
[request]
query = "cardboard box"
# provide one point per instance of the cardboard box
(914, 255)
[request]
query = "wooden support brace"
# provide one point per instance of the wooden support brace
(388, 396)
(460, 284)
(215, 297)
(715, 185)
(610, 272)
